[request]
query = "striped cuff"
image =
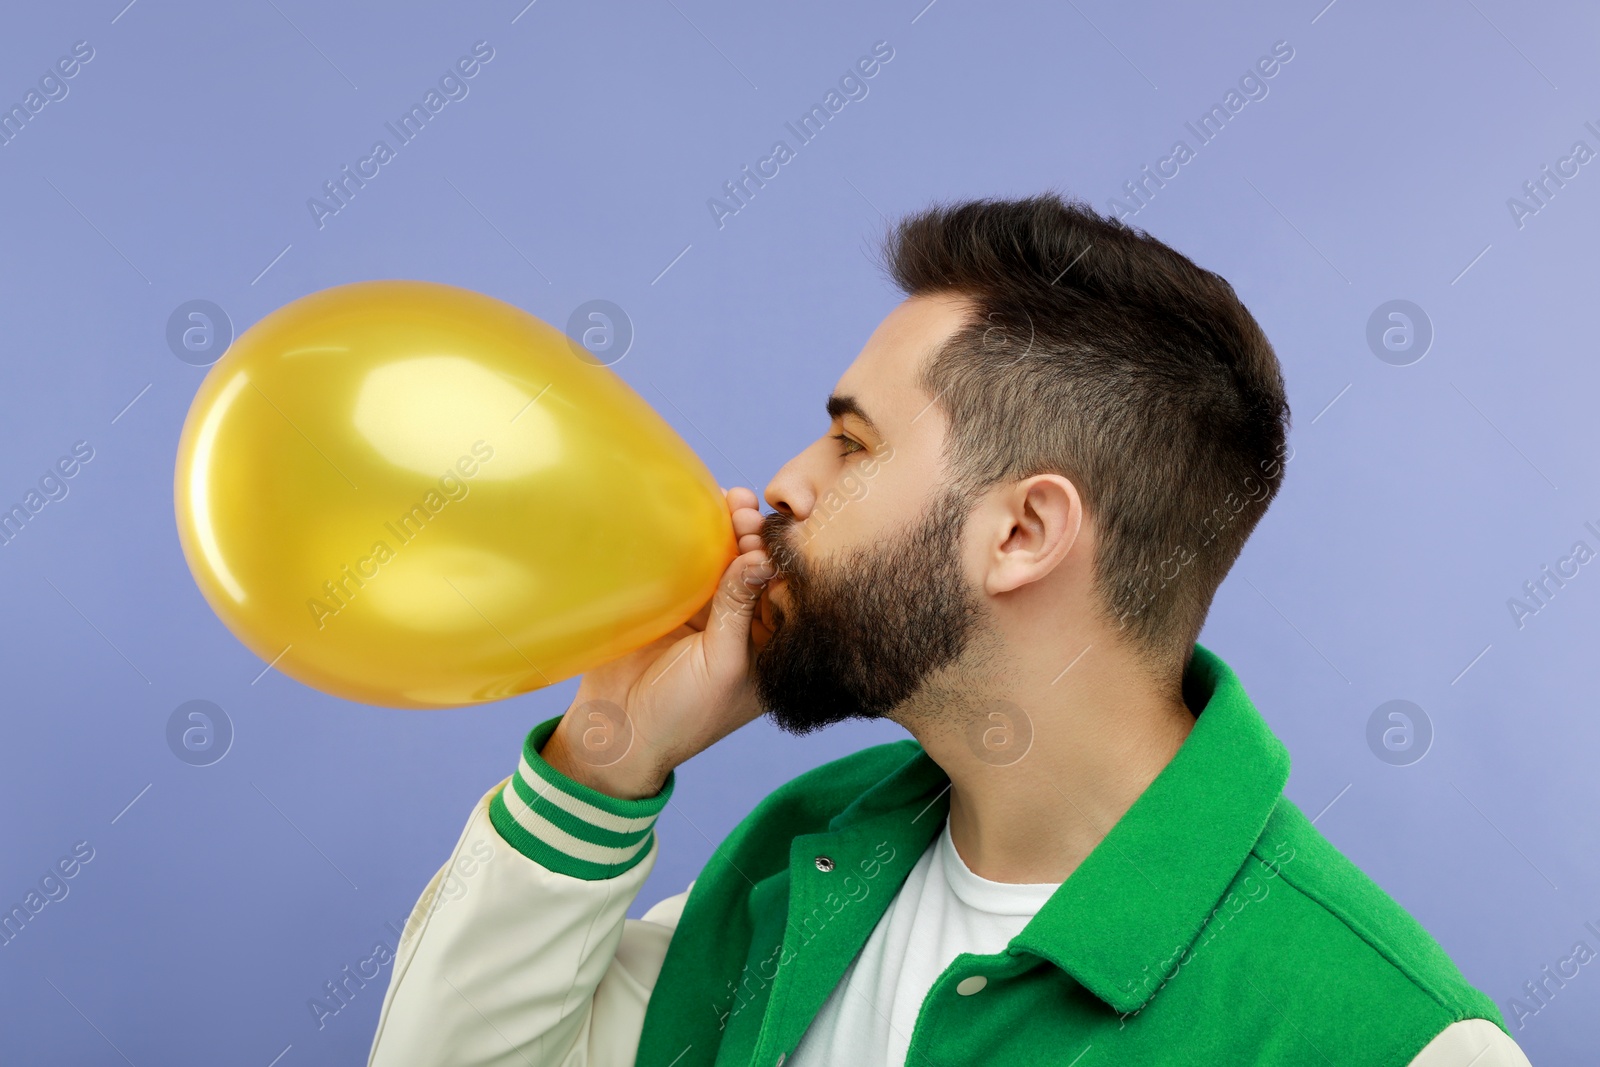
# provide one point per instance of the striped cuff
(568, 827)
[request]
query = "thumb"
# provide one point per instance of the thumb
(727, 632)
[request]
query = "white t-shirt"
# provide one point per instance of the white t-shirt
(941, 911)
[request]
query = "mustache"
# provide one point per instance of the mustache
(776, 534)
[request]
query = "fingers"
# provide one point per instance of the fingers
(745, 511)
(746, 521)
(747, 529)
(727, 631)
(711, 608)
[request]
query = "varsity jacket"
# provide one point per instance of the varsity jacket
(1212, 925)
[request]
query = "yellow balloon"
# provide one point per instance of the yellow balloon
(414, 495)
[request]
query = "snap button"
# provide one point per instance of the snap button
(968, 986)
(824, 864)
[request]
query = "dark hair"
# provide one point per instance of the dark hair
(1101, 354)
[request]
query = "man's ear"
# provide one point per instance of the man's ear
(1039, 521)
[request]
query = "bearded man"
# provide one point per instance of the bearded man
(1036, 474)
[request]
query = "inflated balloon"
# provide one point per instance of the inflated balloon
(414, 495)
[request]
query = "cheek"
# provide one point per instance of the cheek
(834, 525)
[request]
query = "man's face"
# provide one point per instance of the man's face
(871, 595)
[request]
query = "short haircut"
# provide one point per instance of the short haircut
(1099, 353)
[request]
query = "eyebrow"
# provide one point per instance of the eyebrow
(839, 406)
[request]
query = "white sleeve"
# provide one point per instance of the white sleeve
(1471, 1043)
(508, 962)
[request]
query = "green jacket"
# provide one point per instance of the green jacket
(1213, 925)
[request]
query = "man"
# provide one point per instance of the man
(1037, 472)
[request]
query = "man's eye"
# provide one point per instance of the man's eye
(847, 445)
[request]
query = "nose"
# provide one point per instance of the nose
(791, 492)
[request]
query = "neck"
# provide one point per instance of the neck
(1044, 761)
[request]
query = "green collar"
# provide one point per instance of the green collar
(1142, 895)
(1145, 891)
(779, 912)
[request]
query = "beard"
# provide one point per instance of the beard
(862, 634)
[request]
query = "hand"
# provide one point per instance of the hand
(679, 694)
